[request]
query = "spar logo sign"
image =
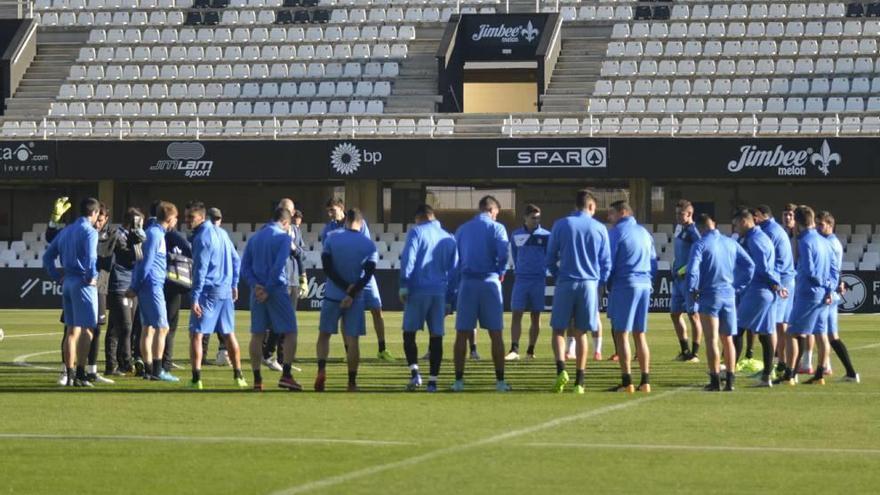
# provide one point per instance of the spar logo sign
(23, 159)
(856, 292)
(507, 34)
(347, 158)
(594, 157)
(787, 162)
(186, 159)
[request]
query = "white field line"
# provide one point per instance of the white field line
(32, 335)
(199, 439)
(704, 448)
(433, 454)
(869, 346)
(22, 360)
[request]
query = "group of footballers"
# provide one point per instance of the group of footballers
(755, 284)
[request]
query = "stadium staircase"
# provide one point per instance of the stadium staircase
(415, 88)
(577, 69)
(44, 77)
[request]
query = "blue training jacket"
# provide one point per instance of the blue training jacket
(349, 252)
(836, 258)
(761, 250)
(718, 266)
(265, 258)
(482, 248)
(579, 249)
(213, 263)
(529, 250)
(784, 259)
(428, 260)
(77, 246)
(685, 237)
(152, 269)
(633, 257)
(813, 277)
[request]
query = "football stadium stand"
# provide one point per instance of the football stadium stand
(328, 68)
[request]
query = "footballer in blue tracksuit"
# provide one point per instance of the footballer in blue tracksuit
(719, 268)
(682, 302)
(147, 283)
(77, 248)
(349, 260)
(427, 266)
(215, 273)
(825, 225)
(528, 248)
(579, 258)
(783, 261)
(758, 303)
(633, 266)
(814, 287)
(482, 261)
(264, 269)
(372, 299)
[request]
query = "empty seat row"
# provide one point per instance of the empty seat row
(182, 91)
(275, 127)
(248, 53)
(742, 86)
(106, 18)
(730, 67)
(413, 14)
(757, 29)
(757, 11)
(722, 126)
(788, 47)
(255, 35)
(208, 109)
(734, 105)
(207, 72)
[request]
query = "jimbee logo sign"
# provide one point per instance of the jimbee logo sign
(24, 160)
(587, 157)
(346, 158)
(507, 34)
(186, 159)
(786, 161)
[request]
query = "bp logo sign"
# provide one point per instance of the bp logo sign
(856, 292)
(347, 158)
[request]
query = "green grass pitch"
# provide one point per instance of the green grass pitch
(139, 437)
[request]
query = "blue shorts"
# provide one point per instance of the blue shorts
(353, 322)
(151, 306)
(756, 310)
(682, 300)
(371, 296)
(528, 295)
(218, 314)
(630, 309)
(783, 306)
(424, 308)
(479, 301)
(578, 301)
(722, 307)
(80, 303)
(276, 313)
(833, 314)
(808, 314)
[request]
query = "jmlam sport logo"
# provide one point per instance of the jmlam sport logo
(186, 159)
(347, 158)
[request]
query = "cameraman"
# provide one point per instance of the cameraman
(126, 248)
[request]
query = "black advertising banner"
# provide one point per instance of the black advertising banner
(27, 159)
(30, 288)
(500, 36)
(426, 159)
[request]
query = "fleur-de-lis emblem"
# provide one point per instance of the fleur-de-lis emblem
(530, 32)
(825, 158)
